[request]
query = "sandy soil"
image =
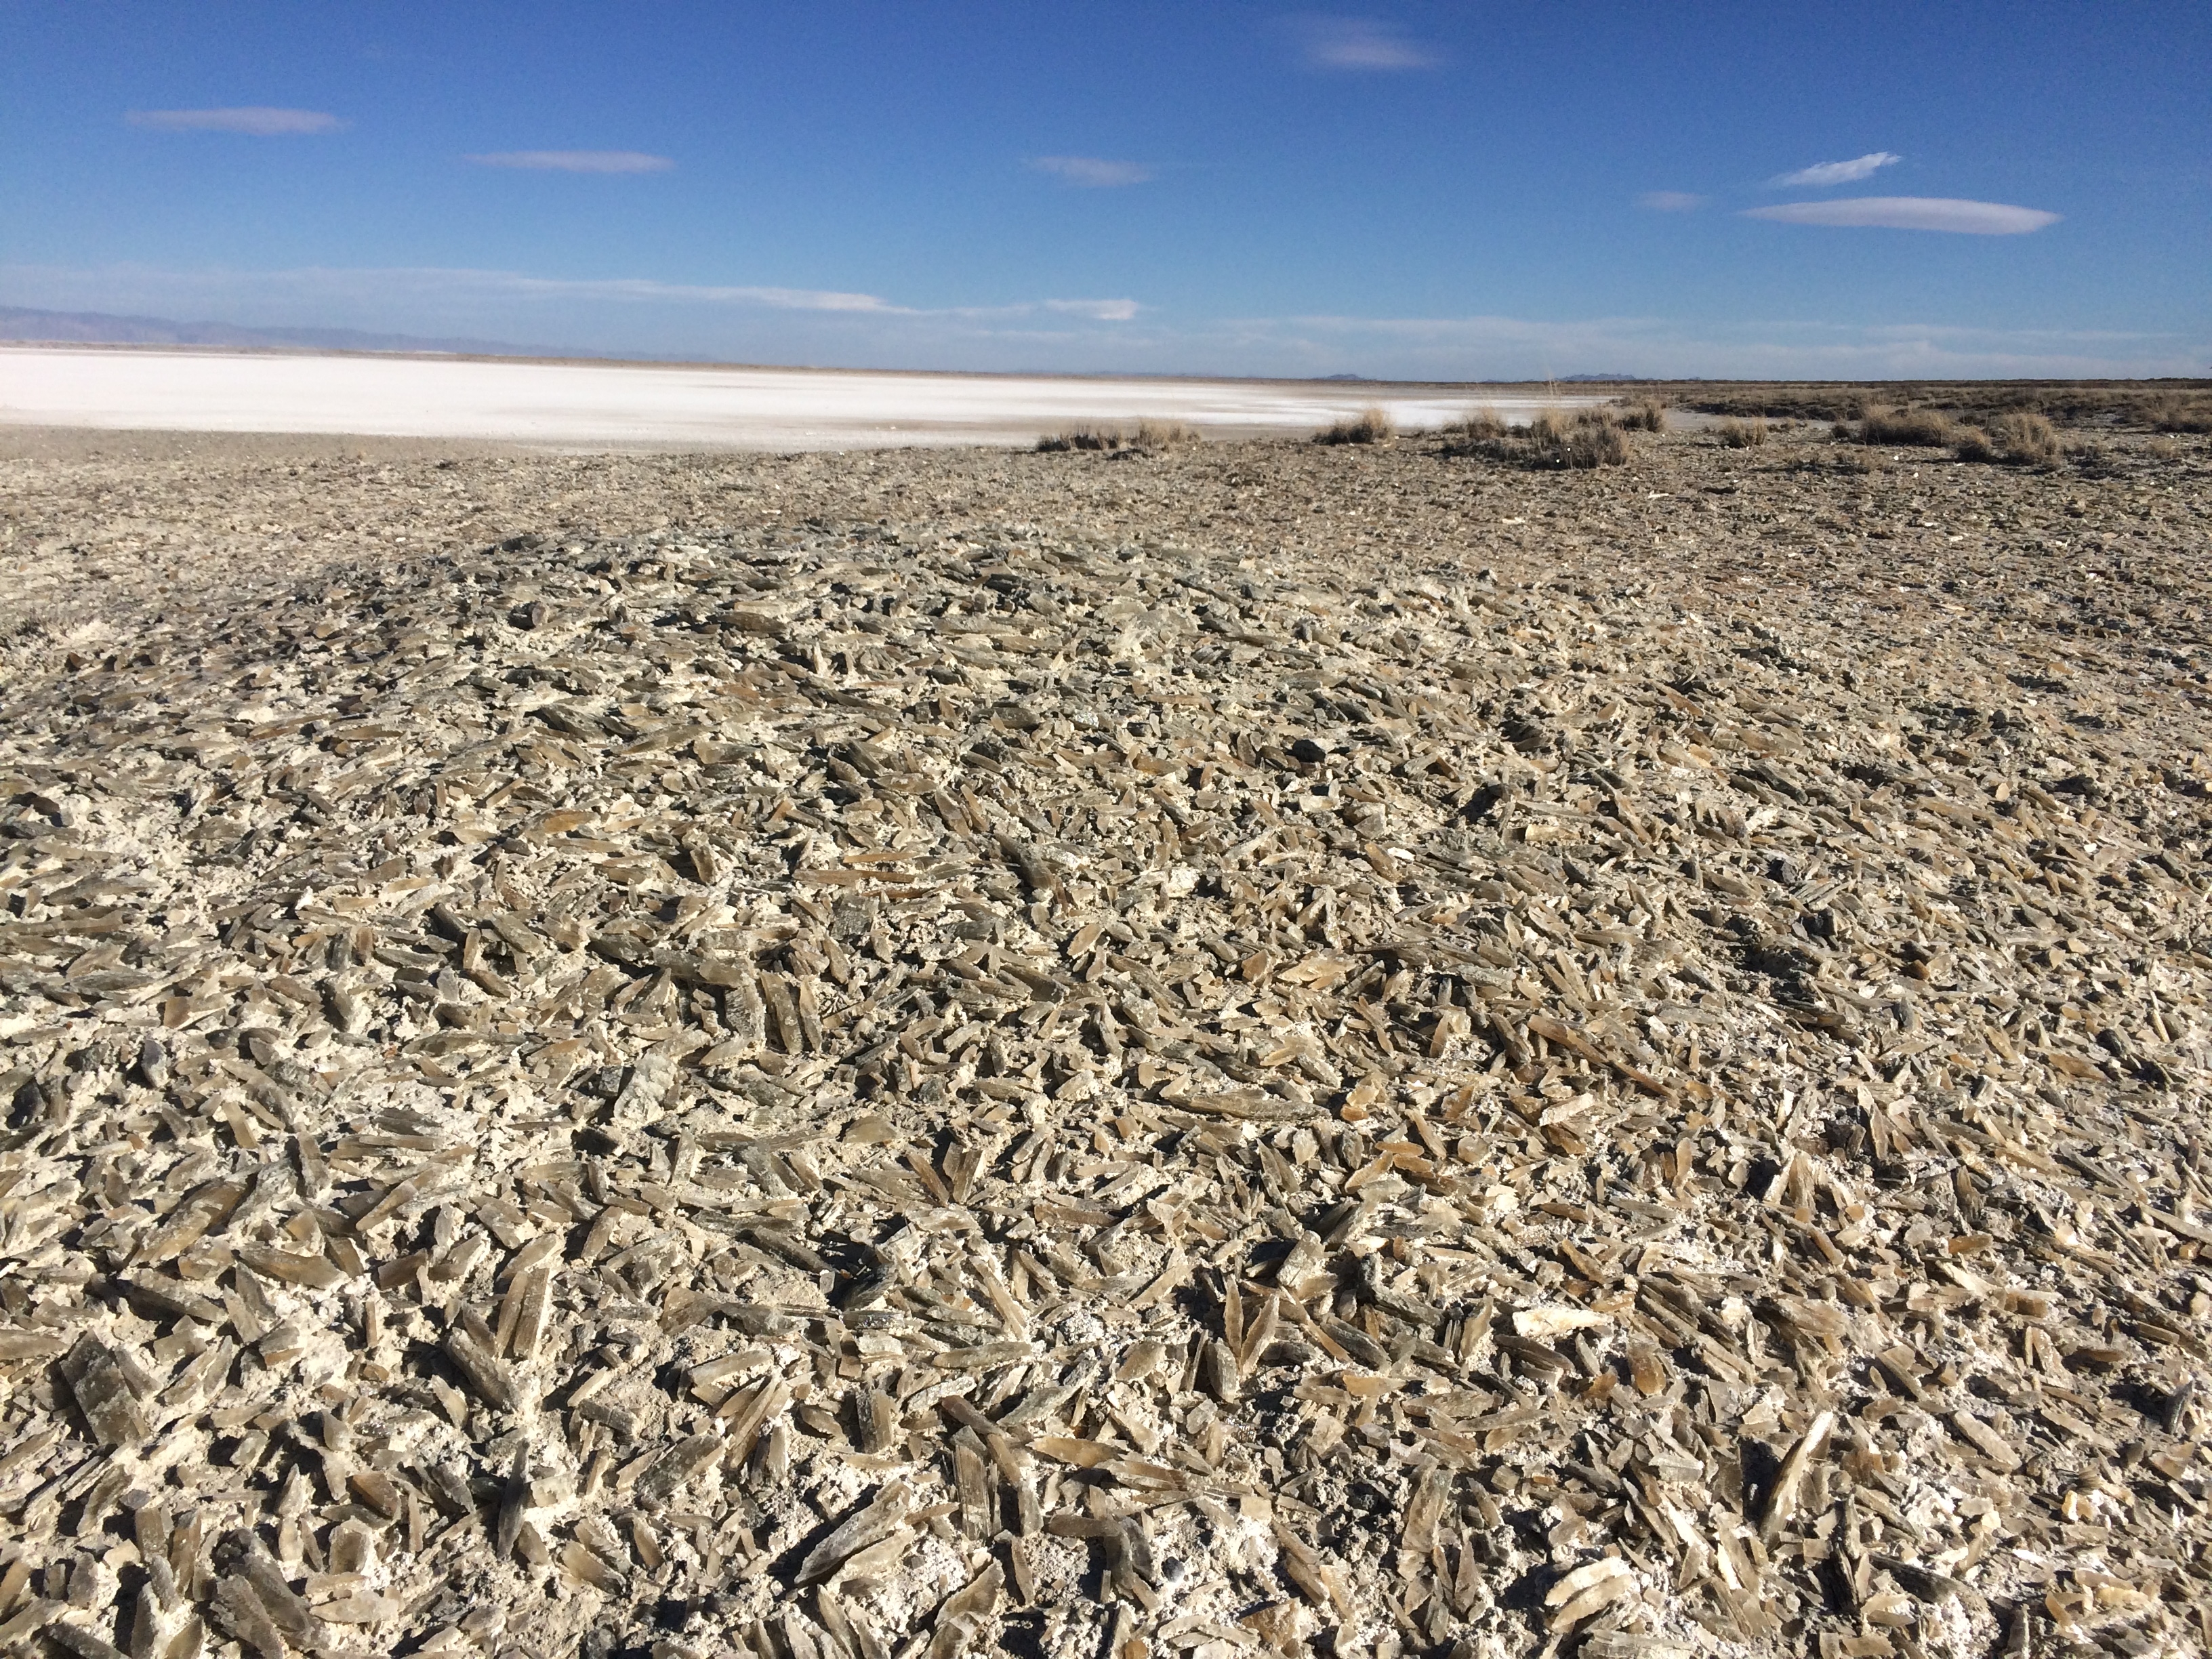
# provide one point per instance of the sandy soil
(1255, 1050)
(577, 404)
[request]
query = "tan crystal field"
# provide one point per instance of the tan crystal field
(1364, 1049)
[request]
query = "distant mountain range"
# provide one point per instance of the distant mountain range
(98, 328)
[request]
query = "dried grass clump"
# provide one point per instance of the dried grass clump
(2175, 414)
(1372, 425)
(1080, 437)
(1907, 428)
(2026, 438)
(1643, 415)
(1603, 446)
(2016, 438)
(1741, 434)
(1478, 426)
(1149, 435)
(1588, 439)
(1167, 434)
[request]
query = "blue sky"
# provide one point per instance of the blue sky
(1440, 191)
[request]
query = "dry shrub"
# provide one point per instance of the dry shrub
(1477, 425)
(1372, 425)
(1741, 434)
(1081, 437)
(1149, 435)
(1643, 415)
(2018, 438)
(1548, 430)
(1588, 439)
(2026, 438)
(1906, 427)
(2138, 403)
(1167, 434)
(1605, 446)
(1597, 446)
(2175, 414)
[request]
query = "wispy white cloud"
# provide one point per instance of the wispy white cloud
(1098, 311)
(316, 291)
(1838, 173)
(1911, 213)
(575, 160)
(1360, 44)
(429, 280)
(1671, 201)
(343, 289)
(645, 289)
(1092, 173)
(256, 121)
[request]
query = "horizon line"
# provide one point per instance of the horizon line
(587, 359)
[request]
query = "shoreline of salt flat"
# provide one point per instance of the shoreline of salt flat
(570, 404)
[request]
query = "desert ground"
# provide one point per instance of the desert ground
(594, 405)
(1213, 1049)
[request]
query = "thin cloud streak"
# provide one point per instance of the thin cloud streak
(1837, 172)
(1092, 173)
(646, 290)
(575, 160)
(340, 285)
(254, 121)
(1098, 311)
(1910, 213)
(642, 288)
(1361, 44)
(1671, 201)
